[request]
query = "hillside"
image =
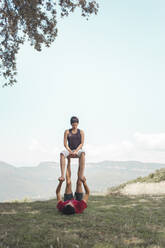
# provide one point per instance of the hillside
(40, 182)
(114, 221)
(152, 184)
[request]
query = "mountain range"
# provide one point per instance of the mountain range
(39, 182)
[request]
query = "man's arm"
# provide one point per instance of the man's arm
(87, 191)
(65, 141)
(82, 141)
(58, 191)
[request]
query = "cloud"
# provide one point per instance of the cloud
(35, 145)
(39, 150)
(151, 141)
(145, 147)
(102, 152)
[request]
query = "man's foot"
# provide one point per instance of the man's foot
(61, 179)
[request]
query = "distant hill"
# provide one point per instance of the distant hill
(40, 182)
(154, 183)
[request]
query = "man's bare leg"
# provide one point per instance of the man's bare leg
(62, 167)
(81, 165)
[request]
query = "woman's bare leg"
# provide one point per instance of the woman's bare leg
(81, 165)
(68, 189)
(68, 172)
(62, 167)
(79, 188)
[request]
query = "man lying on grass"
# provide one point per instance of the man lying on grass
(72, 205)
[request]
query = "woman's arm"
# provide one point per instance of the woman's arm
(65, 141)
(82, 141)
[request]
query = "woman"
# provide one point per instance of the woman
(73, 143)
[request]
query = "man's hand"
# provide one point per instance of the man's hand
(61, 179)
(83, 179)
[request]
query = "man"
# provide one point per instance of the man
(75, 139)
(71, 205)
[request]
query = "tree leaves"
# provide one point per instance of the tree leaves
(35, 20)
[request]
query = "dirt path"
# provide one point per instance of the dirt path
(144, 188)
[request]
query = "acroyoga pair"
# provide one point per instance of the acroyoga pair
(73, 143)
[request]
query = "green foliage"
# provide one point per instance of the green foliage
(35, 20)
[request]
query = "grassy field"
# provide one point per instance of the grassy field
(112, 221)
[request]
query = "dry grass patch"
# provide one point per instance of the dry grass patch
(12, 211)
(133, 241)
(33, 212)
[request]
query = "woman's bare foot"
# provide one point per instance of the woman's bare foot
(83, 179)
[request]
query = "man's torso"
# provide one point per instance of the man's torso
(79, 205)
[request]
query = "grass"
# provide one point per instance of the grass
(112, 221)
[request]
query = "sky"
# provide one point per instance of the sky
(108, 71)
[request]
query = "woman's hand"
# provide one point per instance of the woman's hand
(73, 154)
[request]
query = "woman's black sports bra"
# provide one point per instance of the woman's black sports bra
(74, 139)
